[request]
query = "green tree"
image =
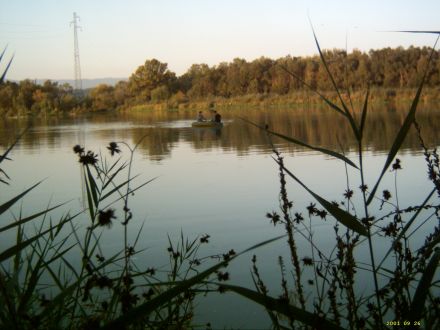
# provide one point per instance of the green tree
(8, 93)
(311, 72)
(202, 81)
(238, 77)
(26, 89)
(259, 72)
(148, 77)
(160, 93)
(102, 98)
(121, 93)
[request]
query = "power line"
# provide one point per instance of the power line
(78, 81)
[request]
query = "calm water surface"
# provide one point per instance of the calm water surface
(219, 182)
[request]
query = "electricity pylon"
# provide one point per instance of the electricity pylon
(78, 81)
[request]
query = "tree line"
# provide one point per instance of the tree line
(153, 82)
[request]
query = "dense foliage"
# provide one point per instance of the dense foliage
(153, 82)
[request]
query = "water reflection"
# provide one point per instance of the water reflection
(230, 205)
(160, 131)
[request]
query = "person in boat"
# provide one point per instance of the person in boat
(200, 117)
(217, 117)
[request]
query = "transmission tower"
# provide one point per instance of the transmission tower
(76, 27)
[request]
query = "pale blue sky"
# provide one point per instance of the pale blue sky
(117, 36)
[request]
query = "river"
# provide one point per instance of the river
(220, 182)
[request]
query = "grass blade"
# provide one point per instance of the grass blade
(253, 247)
(303, 144)
(89, 199)
(431, 32)
(286, 309)
(346, 110)
(418, 302)
(59, 255)
(18, 260)
(364, 114)
(2, 78)
(13, 250)
(69, 265)
(347, 219)
(110, 179)
(117, 188)
(31, 285)
(4, 173)
(5, 206)
(5, 154)
(29, 218)
(3, 53)
(93, 187)
(130, 192)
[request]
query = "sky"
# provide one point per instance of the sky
(117, 36)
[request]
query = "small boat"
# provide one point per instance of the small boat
(212, 124)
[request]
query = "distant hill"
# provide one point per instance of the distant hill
(86, 83)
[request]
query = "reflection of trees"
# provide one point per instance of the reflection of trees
(39, 132)
(319, 127)
(328, 129)
(156, 142)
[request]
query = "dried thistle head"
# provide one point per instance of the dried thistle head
(113, 148)
(396, 166)
(88, 159)
(105, 217)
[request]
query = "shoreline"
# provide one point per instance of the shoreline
(378, 96)
(389, 97)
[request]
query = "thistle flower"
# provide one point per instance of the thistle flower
(104, 282)
(322, 213)
(100, 258)
(396, 165)
(386, 195)
(390, 230)
(205, 238)
(105, 218)
(274, 217)
(227, 256)
(307, 261)
(298, 217)
(88, 159)
(223, 276)
(114, 148)
(312, 209)
(348, 193)
(130, 251)
(78, 149)
(363, 187)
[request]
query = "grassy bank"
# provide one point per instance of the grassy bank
(303, 98)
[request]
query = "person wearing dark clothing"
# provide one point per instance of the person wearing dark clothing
(217, 117)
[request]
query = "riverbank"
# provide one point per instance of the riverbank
(302, 98)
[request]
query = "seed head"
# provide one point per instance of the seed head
(114, 148)
(105, 217)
